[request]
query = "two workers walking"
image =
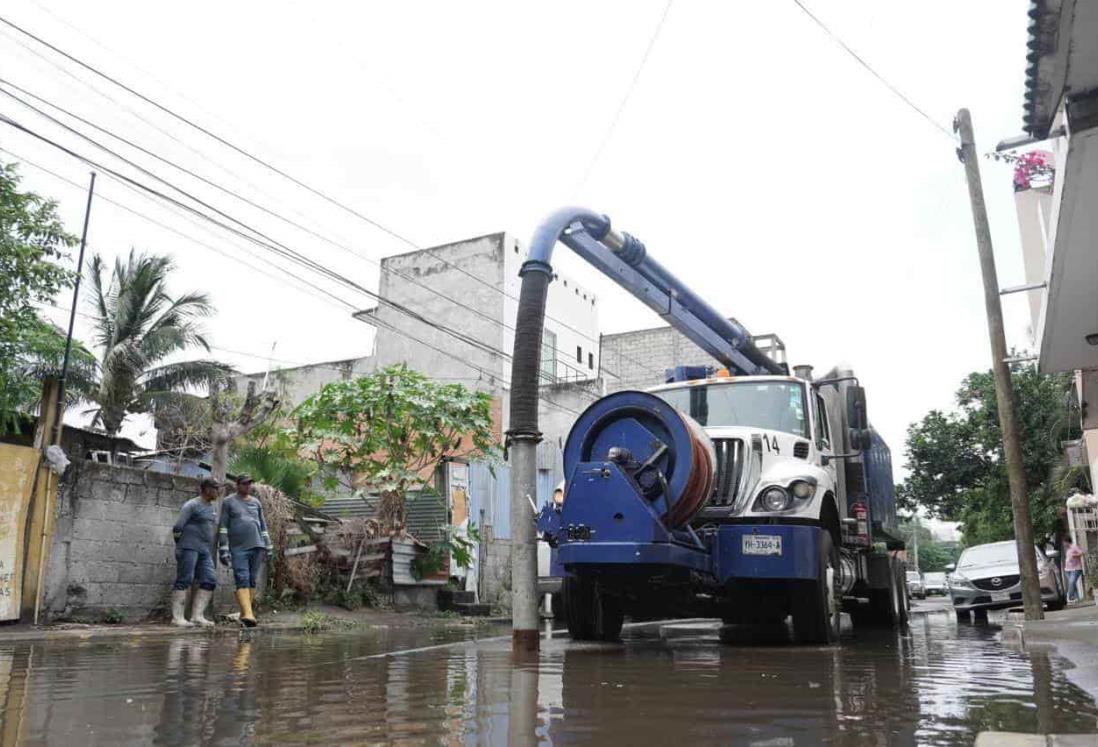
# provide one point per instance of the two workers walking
(242, 543)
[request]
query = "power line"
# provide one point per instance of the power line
(491, 376)
(312, 190)
(326, 296)
(407, 277)
(263, 241)
(625, 99)
(896, 91)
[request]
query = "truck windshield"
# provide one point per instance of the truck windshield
(773, 405)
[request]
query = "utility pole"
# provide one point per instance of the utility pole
(1004, 389)
(915, 537)
(60, 418)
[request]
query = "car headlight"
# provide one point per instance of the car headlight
(775, 498)
(961, 581)
(802, 489)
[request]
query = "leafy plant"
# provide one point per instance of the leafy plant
(315, 622)
(456, 544)
(113, 616)
(277, 468)
(33, 242)
(956, 462)
(386, 433)
(139, 326)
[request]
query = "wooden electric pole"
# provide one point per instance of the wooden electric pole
(1004, 389)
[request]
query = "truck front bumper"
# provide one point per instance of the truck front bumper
(767, 551)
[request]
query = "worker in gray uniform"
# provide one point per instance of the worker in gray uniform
(243, 541)
(194, 540)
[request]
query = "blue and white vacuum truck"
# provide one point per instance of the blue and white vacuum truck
(735, 490)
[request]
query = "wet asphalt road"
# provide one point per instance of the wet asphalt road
(937, 683)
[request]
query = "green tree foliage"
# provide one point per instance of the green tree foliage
(32, 243)
(956, 462)
(388, 432)
(269, 454)
(933, 555)
(139, 326)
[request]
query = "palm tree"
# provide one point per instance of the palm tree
(138, 327)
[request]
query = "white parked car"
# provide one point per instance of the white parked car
(986, 577)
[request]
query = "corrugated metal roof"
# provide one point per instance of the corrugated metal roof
(350, 507)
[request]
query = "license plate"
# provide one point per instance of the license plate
(762, 544)
(1000, 596)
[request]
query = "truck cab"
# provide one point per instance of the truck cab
(772, 441)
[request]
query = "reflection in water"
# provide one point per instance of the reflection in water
(938, 684)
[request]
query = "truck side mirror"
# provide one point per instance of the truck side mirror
(855, 409)
(856, 420)
(951, 567)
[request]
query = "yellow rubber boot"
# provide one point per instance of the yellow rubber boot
(251, 598)
(244, 599)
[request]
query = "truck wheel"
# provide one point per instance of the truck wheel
(903, 606)
(590, 613)
(579, 607)
(609, 616)
(817, 612)
(888, 607)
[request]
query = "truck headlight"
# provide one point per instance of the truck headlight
(960, 581)
(802, 489)
(775, 499)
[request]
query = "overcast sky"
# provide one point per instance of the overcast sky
(755, 158)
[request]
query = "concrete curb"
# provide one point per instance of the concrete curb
(1015, 739)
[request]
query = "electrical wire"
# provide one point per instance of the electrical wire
(312, 190)
(861, 61)
(625, 99)
(407, 277)
(263, 240)
(491, 376)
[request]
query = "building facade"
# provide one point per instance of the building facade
(1056, 213)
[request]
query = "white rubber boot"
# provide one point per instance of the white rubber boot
(202, 599)
(179, 604)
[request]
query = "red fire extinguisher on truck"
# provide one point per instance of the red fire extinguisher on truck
(861, 522)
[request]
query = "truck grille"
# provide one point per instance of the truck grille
(730, 462)
(1005, 582)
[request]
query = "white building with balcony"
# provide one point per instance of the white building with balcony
(1059, 221)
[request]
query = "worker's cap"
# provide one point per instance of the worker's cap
(243, 479)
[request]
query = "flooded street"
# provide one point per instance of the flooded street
(938, 684)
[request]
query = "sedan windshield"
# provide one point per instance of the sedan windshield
(912, 576)
(999, 552)
(773, 405)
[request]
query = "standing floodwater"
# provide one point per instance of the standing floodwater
(939, 684)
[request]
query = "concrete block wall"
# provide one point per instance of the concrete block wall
(637, 360)
(112, 547)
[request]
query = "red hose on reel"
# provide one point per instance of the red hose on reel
(702, 476)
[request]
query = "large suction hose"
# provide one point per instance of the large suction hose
(523, 434)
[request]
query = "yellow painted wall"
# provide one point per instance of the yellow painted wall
(17, 468)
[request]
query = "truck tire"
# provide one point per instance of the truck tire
(888, 607)
(816, 610)
(589, 612)
(903, 607)
(579, 607)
